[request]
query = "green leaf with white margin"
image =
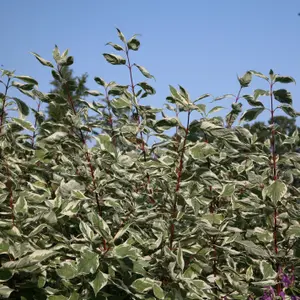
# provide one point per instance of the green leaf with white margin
(126, 250)
(99, 282)
(179, 258)
(158, 291)
(283, 96)
(57, 297)
(27, 79)
(56, 136)
(94, 93)
(228, 190)
(99, 225)
(105, 143)
(40, 255)
(224, 97)
(166, 124)
(5, 291)
(251, 114)
(22, 106)
(25, 124)
(215, 109)
(249, 273)
(276, 191)
(133, 44)
(115, 46)
(67, 270)
(42, 60)
(86, 231)
(143, 285)
(120, 103)
(258, 74)
(21, 206)
(294, 231)
(289, 110)
(202, 150)
(100, 81)
(114, 59)
(88, 263)
(202, 97)
(245, 79)
(121, 35)
(251, 101)
(267, 270)
(284, 79)
(144, 71)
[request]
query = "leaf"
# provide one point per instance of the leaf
(215, 109)
(251, 101)
(251, 114)
(25, 124)
(55, 137)
(114, 59)
(202, 150)
(23, 108)
(94, 93)
(88, 263)
(99, 225)
(100, 81)
(258, 74)
(147, 88)
(245, 79)
(283, 96)
(179, 258)
(116, 46)
(5, 291)
(158, 291)
(21, 206)
(27, 79)
(288, 109)
(42, 60)
(67, 270)
(99, 282)
(202, 97)
(224, 96)
(142, 285)
(56, 54)
(126, 250)
(40, 255)
(228, 190)
(86, 231)
(144, 71)
(121, 36)
(260, 92)
(267, 270)
(284, 79)
(276, 191)
(249, 273)
(133, 44)
(166, 124)
(121, 103)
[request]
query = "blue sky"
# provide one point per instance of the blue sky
(201, 45)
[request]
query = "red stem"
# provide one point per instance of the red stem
(151, 200)
(274, 167)
(179, 173)
(3, 104)
(88, 158)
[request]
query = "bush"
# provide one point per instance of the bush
(93, 208)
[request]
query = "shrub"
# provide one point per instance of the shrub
(208, 212)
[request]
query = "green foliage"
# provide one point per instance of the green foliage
(207, 213)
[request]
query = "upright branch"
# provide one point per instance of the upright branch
(179, 174)
(129, 66)
(2, 115)
(230, 121)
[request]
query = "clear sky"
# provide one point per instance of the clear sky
(201, 45)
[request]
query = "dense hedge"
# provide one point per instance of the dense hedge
(208, 212)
